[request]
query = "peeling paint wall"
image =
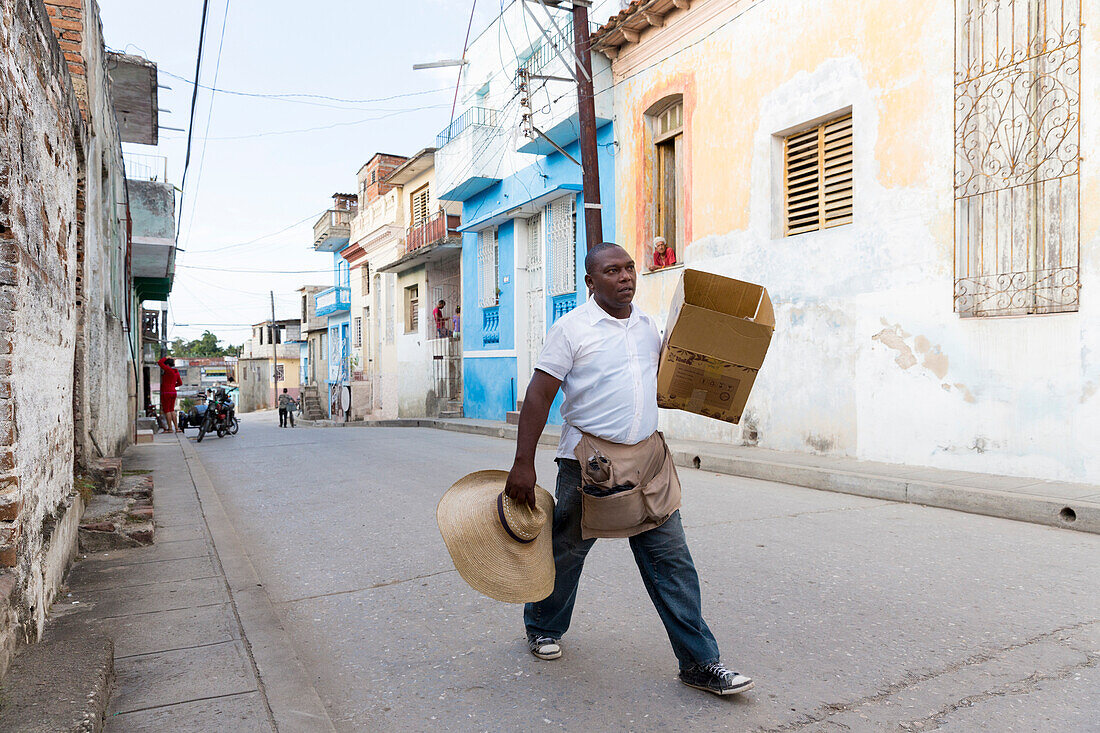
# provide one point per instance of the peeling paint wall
(869, 359)
(41, 138)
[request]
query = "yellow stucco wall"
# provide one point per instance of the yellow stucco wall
(869, 358)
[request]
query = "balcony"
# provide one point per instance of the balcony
(556, 115)
(434, 230)
(431, 241)
(332, 301)
(469, 153)
(333, 230)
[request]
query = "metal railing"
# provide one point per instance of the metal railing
(546, 52)
(141, 167)
(332, 300)
(474, 116)
(436, 228)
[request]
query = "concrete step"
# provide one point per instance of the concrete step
(450, 414)
(59, 684)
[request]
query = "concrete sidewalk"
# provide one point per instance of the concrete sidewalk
(1053, 503)
(195, 647)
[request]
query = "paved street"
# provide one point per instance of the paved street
(850, 613)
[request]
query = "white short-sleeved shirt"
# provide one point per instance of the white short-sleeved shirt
(608, 368)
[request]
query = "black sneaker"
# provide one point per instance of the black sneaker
(543, 647)
(714, 677)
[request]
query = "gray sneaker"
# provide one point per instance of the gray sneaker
(715, 678)
(543, 647)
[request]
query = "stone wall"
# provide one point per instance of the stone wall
(41, 148)
(105, 376)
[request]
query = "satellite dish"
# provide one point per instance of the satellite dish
(345, 398)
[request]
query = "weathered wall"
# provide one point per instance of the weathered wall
(868, 359)
(40, 148)
(105, 377)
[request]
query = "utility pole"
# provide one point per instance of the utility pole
(586, 108)
(274, 354)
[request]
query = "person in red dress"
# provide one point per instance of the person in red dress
(663, 256)
(169, 380)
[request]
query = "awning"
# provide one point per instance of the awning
(527, 208)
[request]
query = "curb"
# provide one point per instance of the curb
(1074, 514)
(291, 696)
(59, 684)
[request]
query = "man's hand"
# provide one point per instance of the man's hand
(520, 486)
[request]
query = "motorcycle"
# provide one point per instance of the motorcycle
(220, 417)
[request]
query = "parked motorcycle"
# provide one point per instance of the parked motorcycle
(220, 417)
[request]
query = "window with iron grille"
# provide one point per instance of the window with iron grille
(487, 268)
(357, 334)
(419, 206)
(817, 177)
(412, 309)
(1017, 157)
(562, 215)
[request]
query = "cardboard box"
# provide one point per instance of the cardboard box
(718, 333)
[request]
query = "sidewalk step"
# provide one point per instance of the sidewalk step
(61, 683)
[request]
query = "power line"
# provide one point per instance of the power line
(270, 133)
(191, 122)
(257, 239)
(260, 272)
(289, 96)
(465, 47)
(206, 131)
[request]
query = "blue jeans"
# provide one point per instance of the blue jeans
(663, 559)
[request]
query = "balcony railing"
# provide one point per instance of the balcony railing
(471, 117)
(560, 44)
(141, 167)
(333, 300)
(437, 228)
(333, 230)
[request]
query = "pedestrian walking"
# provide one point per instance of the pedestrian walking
(286, 409)
(615, 474)
(169, 381)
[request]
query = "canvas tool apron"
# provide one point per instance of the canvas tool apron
(625, 489)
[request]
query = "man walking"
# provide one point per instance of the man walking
(604, 356)
(286, 409)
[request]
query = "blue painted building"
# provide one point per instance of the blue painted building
(522, 225)
(331, 233)
(522, 263)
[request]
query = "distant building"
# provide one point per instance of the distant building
(269, 361)
(331, 233)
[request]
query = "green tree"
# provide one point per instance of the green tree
(204, 346)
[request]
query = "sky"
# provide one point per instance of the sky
(264, 169)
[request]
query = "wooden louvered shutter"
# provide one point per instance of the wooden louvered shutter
(817, 177)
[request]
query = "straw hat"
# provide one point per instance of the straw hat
(501, 548)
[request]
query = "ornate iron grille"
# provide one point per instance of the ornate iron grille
(1017, 156)
(487, 268)
(536, 293)
(562, 215)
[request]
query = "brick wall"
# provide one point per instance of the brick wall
(41, 149)
(375, 172)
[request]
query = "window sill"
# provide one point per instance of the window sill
(677, 266)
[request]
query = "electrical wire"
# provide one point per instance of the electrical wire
(465, 46)
(258, 239)
(260, 272)
(289, 96)
(206, 130)
(272, 133)
(191, 122)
